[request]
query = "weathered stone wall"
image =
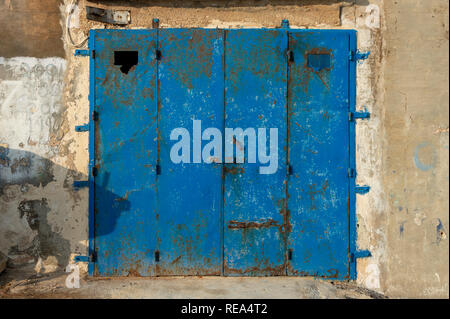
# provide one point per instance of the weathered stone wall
(42, 219)
(401, 151)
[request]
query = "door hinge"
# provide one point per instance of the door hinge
(158, 55)
(91, 258)
(362, 189)
(82, 128)
(80, 184)
(360, 254)
(158, 169)
(93, 54)
(356, 56)
(290, 55)
(358, 115)
(289, 169)
(94, 171)
(94, 115)
(351, 172)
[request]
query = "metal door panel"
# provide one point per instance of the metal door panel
(318, 187)
(189, 194)
(255, 95)
(125, 154)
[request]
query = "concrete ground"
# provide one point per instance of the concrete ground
(22, 282)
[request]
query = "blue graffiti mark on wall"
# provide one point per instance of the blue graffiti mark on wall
(440, 231)
(422, 148)
(402, 227)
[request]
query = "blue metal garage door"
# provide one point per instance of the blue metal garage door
(153, 216)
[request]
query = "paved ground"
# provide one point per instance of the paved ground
(22, 282)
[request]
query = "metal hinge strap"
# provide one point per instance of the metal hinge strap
(357, 56)
(91, 258)
(80, 184)
(360, 254)
(362, 189)
(82, 128)
(81, 52)
(358, 115)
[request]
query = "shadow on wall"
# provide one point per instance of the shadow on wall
(21, 168)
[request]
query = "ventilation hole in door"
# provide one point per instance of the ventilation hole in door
(318, 62)
(126, 60)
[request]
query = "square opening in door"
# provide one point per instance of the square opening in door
(126, 60)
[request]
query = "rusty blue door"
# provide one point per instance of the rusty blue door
(125, 117)
(254, 203)
(319, 154)
(151, 215)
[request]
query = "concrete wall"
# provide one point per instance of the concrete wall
(402, 152)
(415, 148)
